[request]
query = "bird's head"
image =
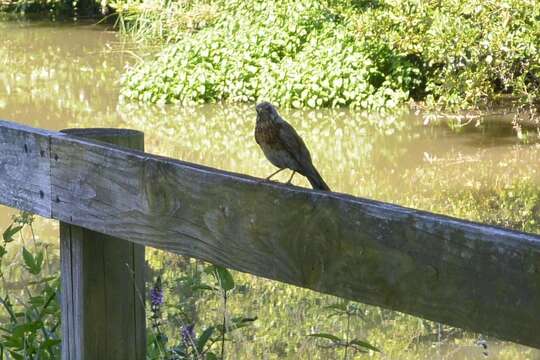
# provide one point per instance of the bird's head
(266, 111)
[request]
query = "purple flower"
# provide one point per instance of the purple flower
(156, 294)
(188, 334)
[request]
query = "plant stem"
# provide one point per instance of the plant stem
(33, 236)
(224, 325)
(347, 336)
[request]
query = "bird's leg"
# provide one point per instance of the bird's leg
(269, 177)
(290, 179)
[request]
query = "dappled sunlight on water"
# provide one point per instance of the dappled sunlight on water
(53, 73)
(386, 158)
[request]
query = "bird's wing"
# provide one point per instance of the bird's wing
(294, 144)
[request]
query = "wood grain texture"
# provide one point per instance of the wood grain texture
(461, 273)
(103, 283)
(24, 168)
(465, 274)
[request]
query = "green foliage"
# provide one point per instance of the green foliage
(31, 318)
(299, 54)
(473, 54)
(162, 20)
(370, 55)
(194, 282)
(347, 310)
(10, 232)
(223, 277)
(53, 8)
(33, 263)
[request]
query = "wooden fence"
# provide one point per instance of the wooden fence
(470, 275)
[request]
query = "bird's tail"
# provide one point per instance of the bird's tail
(316, 181)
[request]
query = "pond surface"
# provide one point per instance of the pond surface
(55, 76)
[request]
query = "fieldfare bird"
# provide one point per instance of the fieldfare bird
(283, 147)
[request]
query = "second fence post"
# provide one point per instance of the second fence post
(103, 313)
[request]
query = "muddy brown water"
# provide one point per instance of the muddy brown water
(59, 75)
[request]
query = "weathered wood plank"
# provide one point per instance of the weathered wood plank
(465, 274)
(69, 300)
(75, 299)
(102, 283)
(24, 168)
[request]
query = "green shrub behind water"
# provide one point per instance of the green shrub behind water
(299, 54)
(451, 54)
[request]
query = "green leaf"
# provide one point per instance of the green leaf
(6, 303)
(211, 356)
(10, 232)
(14, 342)
(20, 330)
(33, 265)
(49, 343)
(340, 307)
(6, 330)
(37, 300)
(239, 323)
(203, 339)
(3, 251)
(326, 336)
(203, 287)
(16, 356)
(364, 344)
(242, 322)
(39, 260)
(44, 280)
(224, 277)
(28, 259)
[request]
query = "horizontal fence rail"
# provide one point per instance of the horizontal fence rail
(474, 276)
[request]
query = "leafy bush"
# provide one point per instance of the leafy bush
(183, 315)
(53, 8)
(472, 54)
(29, 309)
(362, 54)
(162, 20)
(298, 54)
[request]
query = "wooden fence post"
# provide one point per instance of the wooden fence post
(103, 314)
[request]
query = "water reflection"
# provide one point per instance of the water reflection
(59, 75)
(356, 153)
(52, 73)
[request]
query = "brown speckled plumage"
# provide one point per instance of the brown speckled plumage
(283, 147)
(266, 133)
